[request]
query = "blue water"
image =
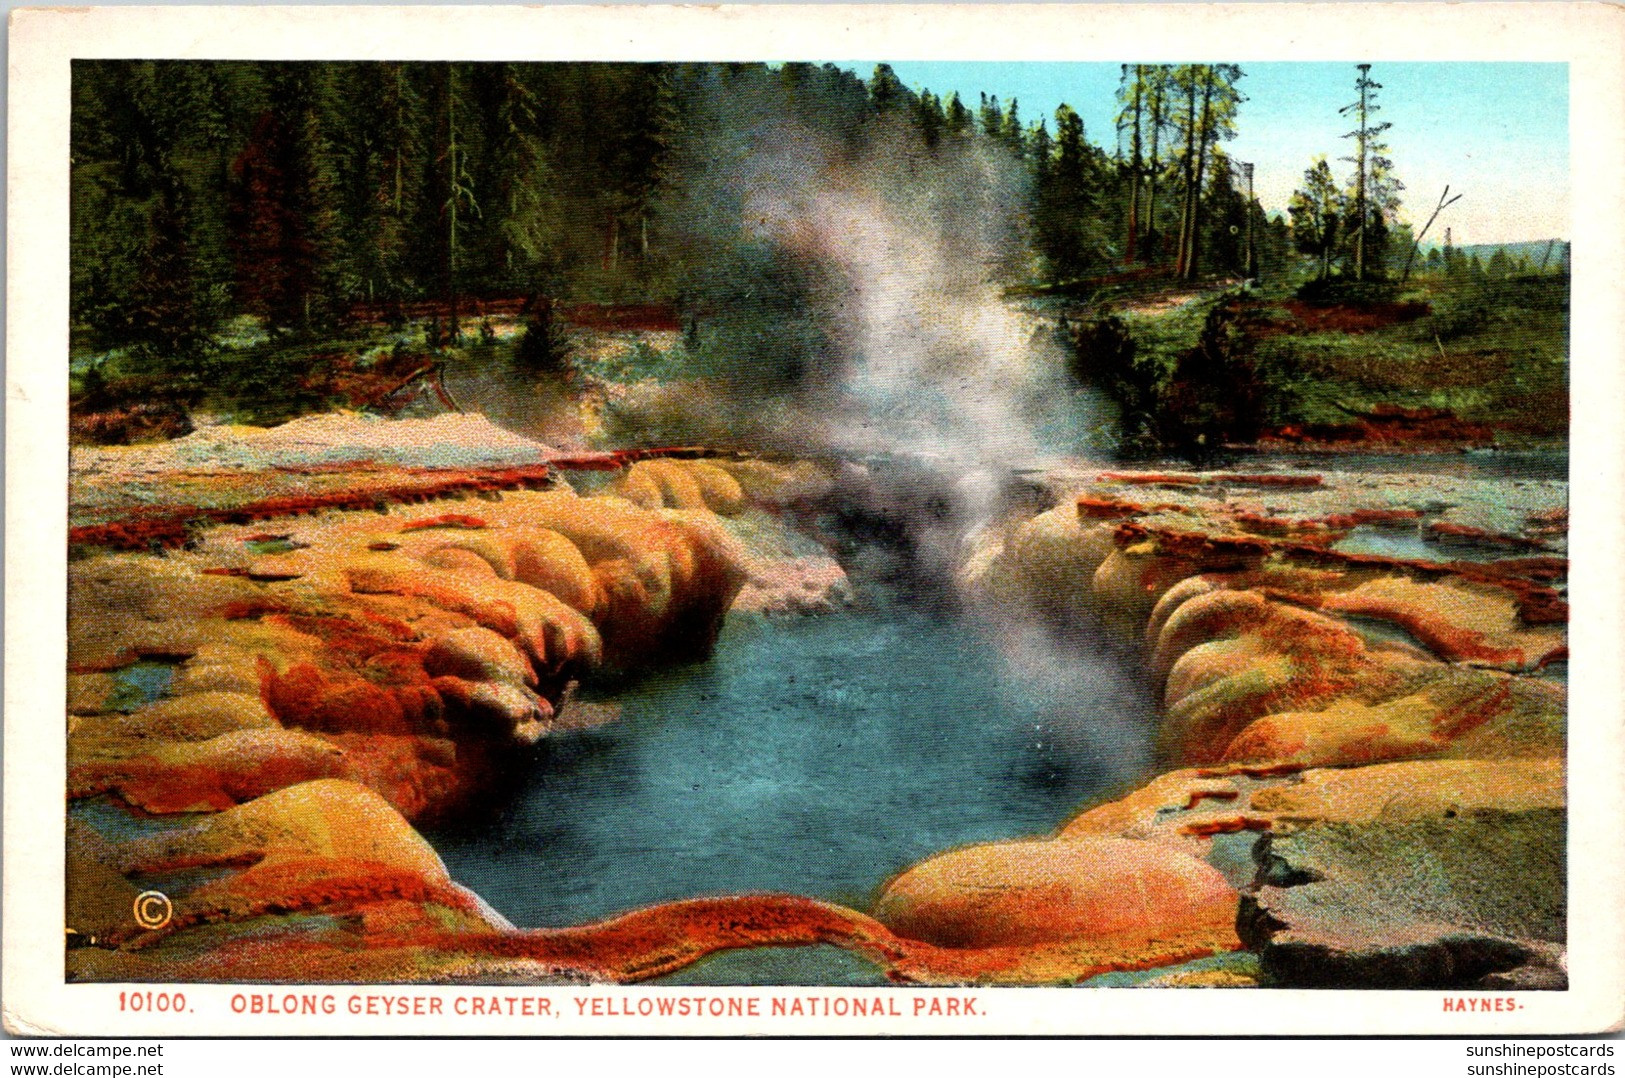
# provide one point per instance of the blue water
(141, 683)
(1408, 543)
(818, 757)
(1550, 463)
(117, 823)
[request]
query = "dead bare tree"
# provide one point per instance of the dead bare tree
(1416, 245)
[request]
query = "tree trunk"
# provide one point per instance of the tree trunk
(1416, 244)
(400, 126)
(1155, 163)
(1252, 267)
(1359, 192)
(453, 331)
(1196, 188)
(1136, 164)
(1190, 173)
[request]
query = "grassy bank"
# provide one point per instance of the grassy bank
(1445, 359)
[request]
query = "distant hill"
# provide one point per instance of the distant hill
(1533, 250)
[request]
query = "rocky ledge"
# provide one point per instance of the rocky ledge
(1368, 748)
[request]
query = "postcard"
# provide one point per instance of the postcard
(797, 520)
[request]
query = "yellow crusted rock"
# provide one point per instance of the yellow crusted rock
(1415, 789)
(1056, 556)
(328, 818)
(1137, 811)
(722, 493)
(1049, 891)
(545, 559)
(196, 717)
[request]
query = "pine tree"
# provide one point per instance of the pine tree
(148, 266)
(162, 313)
(457, 200)
(1158, 82)
(396, 164)
(1318, 209)
(1211, 97)
(887, 91)
(1068, 222)
(1010, 131)
(1375, 187)
(287, 221)
(1142, 117)
(957, 115)
(331, 277)
(991, 115)
(928, 117)
(1227, 210)
(525, 180)
(1131, 125)
(1041, 149)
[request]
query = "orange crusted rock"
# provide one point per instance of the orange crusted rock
(546, 560)
(310, 698)
(1170, 479)
(1047, 891)
(1128, 585)
(1055, 556)
(1135, 814)
(1291, 660)
(171, 526)
(721, 491)
(1370, 516)
(1461, 712)
(1458, 620)
(458, 559)
(204, 776)
(444, 520)
(538, 557)
(195, 717)
(1225, 825)
(770, 484)
(477, 654)
(1092, 508)
(502, 708)
(1270, 480)
(1451, 530)
(328, 818)
(678, 487)
(1202, 616)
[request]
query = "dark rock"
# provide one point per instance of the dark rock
(1476, 900)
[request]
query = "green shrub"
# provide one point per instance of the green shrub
(1104, 352)
(544, 346)
(1341, 291)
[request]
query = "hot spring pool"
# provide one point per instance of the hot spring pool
(817, 756)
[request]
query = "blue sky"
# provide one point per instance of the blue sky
(1495, 132)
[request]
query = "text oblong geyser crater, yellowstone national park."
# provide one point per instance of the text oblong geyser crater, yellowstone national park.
(820, 543)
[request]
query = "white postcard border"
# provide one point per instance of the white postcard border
(1588, 37)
